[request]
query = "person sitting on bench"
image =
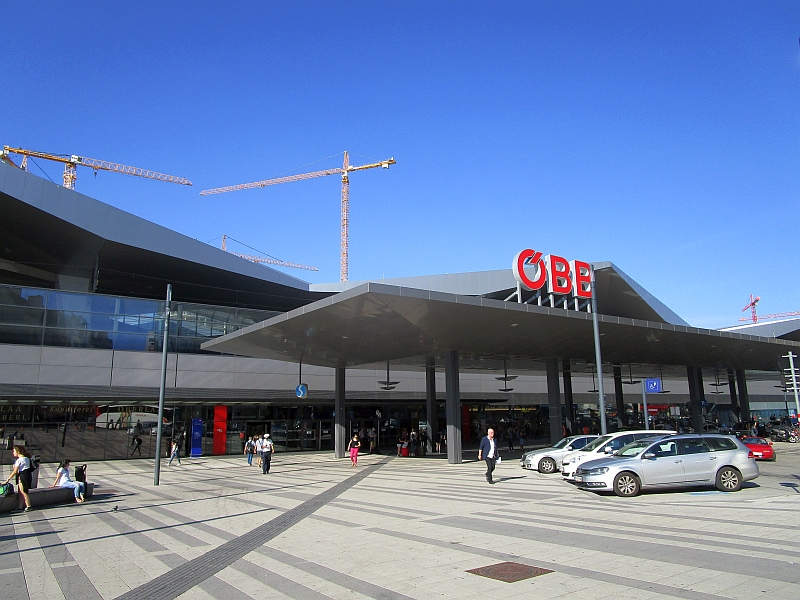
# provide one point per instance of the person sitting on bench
(63, 480)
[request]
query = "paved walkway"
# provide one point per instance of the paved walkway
(395, 529)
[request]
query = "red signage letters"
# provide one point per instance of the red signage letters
(554, 273)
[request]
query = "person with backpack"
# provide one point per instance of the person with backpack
(137, 445)
(63, 480)
(249, 450)
(23, 469)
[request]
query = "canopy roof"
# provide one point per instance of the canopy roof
(375, 322)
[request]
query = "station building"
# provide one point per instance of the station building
(82, 311)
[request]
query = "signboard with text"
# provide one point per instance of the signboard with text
(552, 274)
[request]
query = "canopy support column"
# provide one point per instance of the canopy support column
(695, 400)
(339, 435)
(619, 397)
(452, 407)
(732, 389)
(432, 409)
(554, 401)
(569, 407)
(744, 398)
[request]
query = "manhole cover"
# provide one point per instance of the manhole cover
(509, 571)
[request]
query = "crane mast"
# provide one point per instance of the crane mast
(344, 171)
(72, 162)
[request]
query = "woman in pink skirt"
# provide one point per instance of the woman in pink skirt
(355, 444)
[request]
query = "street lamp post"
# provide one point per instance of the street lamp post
(160, 426)
(599, 359)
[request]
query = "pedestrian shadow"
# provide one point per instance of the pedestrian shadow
(791, 485)
(510, 478)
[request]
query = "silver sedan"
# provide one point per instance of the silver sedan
(674, 461)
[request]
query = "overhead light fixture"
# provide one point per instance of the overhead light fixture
(388, 384)
(631, 380)
(506, 378)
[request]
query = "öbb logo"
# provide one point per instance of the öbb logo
(554, 273)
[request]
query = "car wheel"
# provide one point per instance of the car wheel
(793, 439)
(729, 480)
(547, 465)
(626, 484)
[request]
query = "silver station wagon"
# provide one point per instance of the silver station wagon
(673, 461)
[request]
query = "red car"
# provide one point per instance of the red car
(761, 448)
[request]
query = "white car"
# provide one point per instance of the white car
(548, 460)
(602, 446)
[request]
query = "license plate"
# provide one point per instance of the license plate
(757, 454)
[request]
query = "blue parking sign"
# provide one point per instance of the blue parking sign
(652, 386)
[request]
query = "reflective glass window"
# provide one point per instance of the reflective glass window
(134, 306)
(694, 446)
(15, 334)
(77, 338)
(17, 296)
(77, 320)
(133, 342)
(81, 302)
(20, 315)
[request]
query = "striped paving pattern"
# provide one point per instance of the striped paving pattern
(397, 529)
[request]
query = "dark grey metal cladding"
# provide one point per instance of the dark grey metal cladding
(374, 322)
(85, 237)
(115, 225)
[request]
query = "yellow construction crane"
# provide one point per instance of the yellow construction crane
(71, 166)
(346, 168)
(262, 259)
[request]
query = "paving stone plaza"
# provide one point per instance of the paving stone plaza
(397, 528)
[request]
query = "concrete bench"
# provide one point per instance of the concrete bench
(46, 496)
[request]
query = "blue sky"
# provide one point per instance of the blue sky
(660, 136)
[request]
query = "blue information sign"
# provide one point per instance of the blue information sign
(197, 437)
(652, 386)
(301, 391)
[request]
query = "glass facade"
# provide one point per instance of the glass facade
(36, 316)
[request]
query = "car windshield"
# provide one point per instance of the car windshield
(596, 444)
(634, 448)
(752, 440)
(563, 443)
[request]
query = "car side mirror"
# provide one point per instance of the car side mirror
(568, 449)
(649, 455)
(609, 450)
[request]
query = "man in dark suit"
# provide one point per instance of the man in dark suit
(489, 452)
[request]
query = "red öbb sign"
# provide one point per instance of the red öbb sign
(554, 273)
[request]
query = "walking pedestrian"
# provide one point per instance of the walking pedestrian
(175, 452)
(137, 445)
(249, 450)
(259, 447)
(372, 438)
(489, 452)
(266, 453)
(355, 444)
(23, 468)
(63, 480)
